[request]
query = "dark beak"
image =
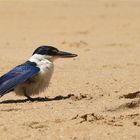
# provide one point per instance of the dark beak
(66, 54)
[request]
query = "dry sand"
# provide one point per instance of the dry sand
(104, 79)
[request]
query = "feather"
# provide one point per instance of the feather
(16, 76)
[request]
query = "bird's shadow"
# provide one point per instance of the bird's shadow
(38, 99)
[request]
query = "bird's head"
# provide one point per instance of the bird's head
(52, 52)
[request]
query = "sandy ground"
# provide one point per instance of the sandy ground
(104, 79)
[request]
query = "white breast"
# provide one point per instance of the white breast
(40, 82)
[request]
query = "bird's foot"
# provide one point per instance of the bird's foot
(29, 98)
(1, 96)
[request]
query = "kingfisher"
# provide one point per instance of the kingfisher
(33, 76)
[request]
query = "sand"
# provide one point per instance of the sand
(95, 96)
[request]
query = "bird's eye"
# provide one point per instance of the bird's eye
(52, 52)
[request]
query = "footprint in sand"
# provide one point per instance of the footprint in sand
(131, 95)
(81, 96)
(36, 125)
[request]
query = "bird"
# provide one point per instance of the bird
(33, 76)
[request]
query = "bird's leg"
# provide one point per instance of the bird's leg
(1, 95)
(29, 98)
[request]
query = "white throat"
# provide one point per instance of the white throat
(39, 57)
(43, 62)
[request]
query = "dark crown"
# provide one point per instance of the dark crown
(46, 50)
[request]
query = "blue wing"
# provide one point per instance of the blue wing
(16, 76)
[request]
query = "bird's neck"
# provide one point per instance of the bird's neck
(42, 61)
(38, 58)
